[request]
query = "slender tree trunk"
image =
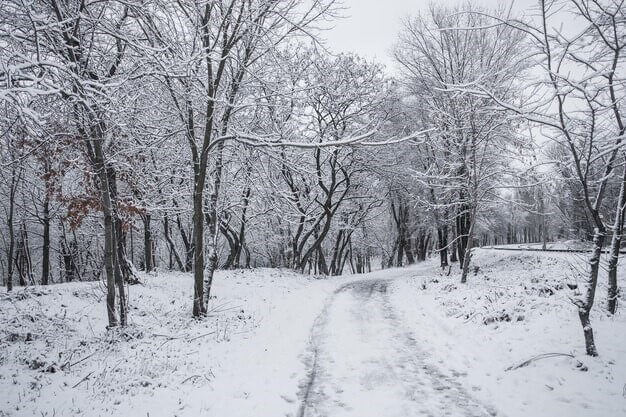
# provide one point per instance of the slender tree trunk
(467, 258)
(453, 249)
(400, 252)
(242, 228)
(442, 236)
(24, 261)
(168, 238)
(109, 231)
(586, 301)
(616, 240)
(462, 229)
(213, 219)
(544, 223)
(147, 243)
(15, 178)
(198, 241)
(45, 256)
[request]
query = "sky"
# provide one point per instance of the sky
(370, 27)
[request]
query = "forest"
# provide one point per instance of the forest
(146, 139)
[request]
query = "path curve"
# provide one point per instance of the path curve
(362, 361)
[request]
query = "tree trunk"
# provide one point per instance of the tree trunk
(442, 236)
(616, 240)
(15, 178)
(242, 228)
(453, 249)
(198, 243)
(45, 256)
(109, 231)
(147, 243)
(462, 229)
(213, 219)
(168, 238)
(23, 260)
(189, 247)
(467, 258)
(586, 301)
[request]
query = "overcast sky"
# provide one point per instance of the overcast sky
(370, 27)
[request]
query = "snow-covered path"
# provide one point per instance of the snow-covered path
(364, 362)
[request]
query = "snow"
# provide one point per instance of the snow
(395, 342)
(368, 364)
(243, 360)
(468, 332)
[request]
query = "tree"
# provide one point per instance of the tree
(577, 99)
(441, 55)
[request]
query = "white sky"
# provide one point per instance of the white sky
(370, 27)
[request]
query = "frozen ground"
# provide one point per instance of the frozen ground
(400, 342)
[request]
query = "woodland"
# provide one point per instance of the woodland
(139, 136)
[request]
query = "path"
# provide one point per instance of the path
(363, 362)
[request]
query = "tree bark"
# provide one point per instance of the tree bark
(442, 237)
(15, 178)
(45, 256)
(467, 258)
(585, 303)
(168, 238)
(618, 229)
(109, 230)
(147, 243)
(198, 240)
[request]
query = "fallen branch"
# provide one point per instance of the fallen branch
(195, 376)
(539, 357)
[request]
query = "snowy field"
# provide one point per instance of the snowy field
(397, 342)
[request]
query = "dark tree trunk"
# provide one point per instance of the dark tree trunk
(442, 237)
(189, 248)
(110, 246)
(462, 230)
(242, 227)
(23, 260)
(455, 244)
(124, 266)
(45, 248)
(170, 243)
(467, 258)
(15, 178)
(198, 241)
(408, 251)
(147, 243)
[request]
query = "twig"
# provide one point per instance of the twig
(202, 335)
(68, 364)
(195, 376)
(536, 358)
(83, 380)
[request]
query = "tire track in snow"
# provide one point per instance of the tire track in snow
(363, 362)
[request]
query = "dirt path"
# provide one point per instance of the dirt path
(364, 362)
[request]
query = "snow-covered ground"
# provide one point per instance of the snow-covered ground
(560, 245)
(242, 361)
(515, 307)
(278, 343)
